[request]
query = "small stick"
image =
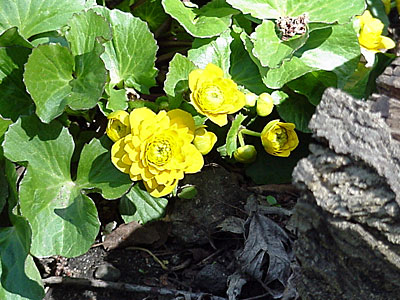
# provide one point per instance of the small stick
(163, 266)
(126, 287)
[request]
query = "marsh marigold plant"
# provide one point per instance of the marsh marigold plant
(158, 149)
(214, 96)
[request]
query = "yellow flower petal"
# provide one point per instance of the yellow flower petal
(182, 119)
(213, 95)
(158, 150)
(386, 43)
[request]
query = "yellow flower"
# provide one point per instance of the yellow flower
(204, 140)
(265, 105)
(158, 150)
(370, 36)
(213, 95)
(118, 125)
(245, 154)
(279, 138)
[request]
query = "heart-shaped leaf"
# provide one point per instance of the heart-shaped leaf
(63, 219)
(317, 10)
(138, 205)
(131, 54)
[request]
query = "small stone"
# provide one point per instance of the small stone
(107, 272)
(212, 278)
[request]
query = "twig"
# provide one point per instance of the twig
(276, 188)
(257, 297)
(163, 266)
(126, 287)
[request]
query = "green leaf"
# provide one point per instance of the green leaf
(296, 109)
(63, 219)
(14, 100)
(268, 169)
(334, 48)
(97, 173)
(20, 278)
(211, 20)
(217, 52)
(11, 37)
(232, 136)
(138, 205)
(37, 16)
(317, 10)
(131, 54)
(188, 192)
(270, 49)
(313, 84)
(152, 13)
(289, 70)
(177, 79)
(65, 80)
(85, 30)
(3, 185)
(117, 100)
(249, 76)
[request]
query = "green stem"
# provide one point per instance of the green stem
(241, 139)
(250, 132)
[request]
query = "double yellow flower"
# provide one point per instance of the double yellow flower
(155, 148)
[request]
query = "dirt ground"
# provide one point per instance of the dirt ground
(193, 258)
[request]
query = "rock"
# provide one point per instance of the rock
(212, 278)
(348, 215)
(107, 272)
(194, 220)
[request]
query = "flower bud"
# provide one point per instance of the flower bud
(118, 125)
(251, 99)
(279, 138)
(265, 105)
(245, 154)
(204, 140)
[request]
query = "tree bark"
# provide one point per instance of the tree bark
(348, 215)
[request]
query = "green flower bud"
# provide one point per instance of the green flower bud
(251, 99)
(265, 105)
(245, 154)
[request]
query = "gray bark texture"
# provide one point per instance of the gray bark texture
(348, 216)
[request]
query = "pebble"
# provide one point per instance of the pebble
(107, 272)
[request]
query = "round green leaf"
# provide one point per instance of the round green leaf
(65, 80)
(177, 79)
(37, 16)
(63, 220)
(11, 37)
(333, 48)
(298, 110)
(217, 52)
(151, 12)
(131, 54)
(138, 205)
(14, 100)
(97, 173)
(249, 76)
(85, 29)
(20, 279)
(270, 49)
(211, 20)
(318, 10)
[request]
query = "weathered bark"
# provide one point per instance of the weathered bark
(348, 217)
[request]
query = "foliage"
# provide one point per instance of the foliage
(73, 70)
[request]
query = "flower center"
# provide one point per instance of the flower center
(281, 137)
(211, 97)
(159, 152)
